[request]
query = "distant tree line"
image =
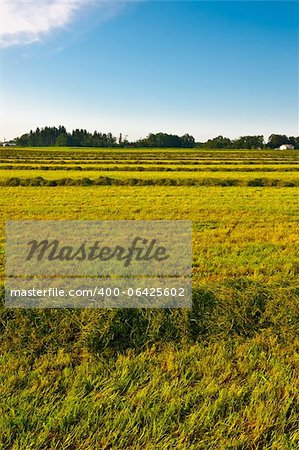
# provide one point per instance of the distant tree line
(166, 140)
(254, 142)
(53, 136)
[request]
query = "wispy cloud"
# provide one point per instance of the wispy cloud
(25, 22)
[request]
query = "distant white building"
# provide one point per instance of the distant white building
(287, 147)
(8, 144)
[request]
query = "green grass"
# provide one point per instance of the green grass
(127, 178)
(230, 235)
(223, 375)
(240, 396)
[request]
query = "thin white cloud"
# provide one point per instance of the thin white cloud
(25, 22)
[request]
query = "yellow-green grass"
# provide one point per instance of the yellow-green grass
(158, 152)
(237, 231)
(240, 395)
(141, 166)
(122, 174)
(162, 154)
(135, 159)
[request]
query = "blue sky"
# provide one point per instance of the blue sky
(206, 68)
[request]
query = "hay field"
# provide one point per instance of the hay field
(221, 376)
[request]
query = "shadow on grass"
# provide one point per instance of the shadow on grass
(239, 308)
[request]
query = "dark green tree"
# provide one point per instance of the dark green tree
(276, 140)
(218, 142)
(249, 142)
